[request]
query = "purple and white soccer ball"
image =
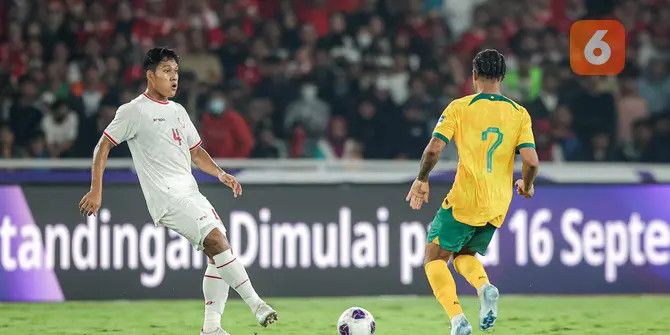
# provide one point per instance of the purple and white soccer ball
(356, 321)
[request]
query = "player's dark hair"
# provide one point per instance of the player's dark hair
(489, 64)
(156, 55)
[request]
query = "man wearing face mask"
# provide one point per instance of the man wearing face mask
(225, 133)
(310, 112)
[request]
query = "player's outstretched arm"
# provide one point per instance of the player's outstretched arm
(91, 202)
(418, 193)
(529, 171)
(201, 158)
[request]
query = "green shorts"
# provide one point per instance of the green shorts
(454, 236)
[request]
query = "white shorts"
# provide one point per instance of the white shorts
(194, 218)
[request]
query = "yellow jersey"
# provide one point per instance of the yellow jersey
(487, 129)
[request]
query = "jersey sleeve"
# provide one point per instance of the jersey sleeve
(124, 126)
(192, 137)
(446, 125)
(526, 138)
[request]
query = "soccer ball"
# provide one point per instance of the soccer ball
(356, 321)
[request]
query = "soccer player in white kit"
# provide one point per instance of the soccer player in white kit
(163, 143)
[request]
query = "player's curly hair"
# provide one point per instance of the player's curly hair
(156, 55)
(489, 64)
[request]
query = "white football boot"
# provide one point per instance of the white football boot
(460, 325)
(265, 314)
(488, 308)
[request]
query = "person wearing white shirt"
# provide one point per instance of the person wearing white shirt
(163, 143)
(60, 126)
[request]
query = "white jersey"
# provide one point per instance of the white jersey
(160, 136)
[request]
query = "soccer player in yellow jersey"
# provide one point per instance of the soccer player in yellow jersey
(488, 129)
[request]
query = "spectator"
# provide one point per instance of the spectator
(523, 83)
(413, 134)
(124, 21)
(383, 103)
(291, 35)
(598, 149)
(37, 147)
(205, 66)
(266, 146)
(113, 72)
(562, 135)
(277, 87)
(637, 148)
(655, 86)
(189, 94)
(259, 114)
(339, 145)
(544, 143)
(630, 107)
(7, 148)
(420, 99)
(24, 116)
(397, 79)
(594, 111)
(545, 104)
(224, 131)
(90, 131)
(569, 87)
(447, 95)
(459, 14)
(659, 148)
(233, 52)
(324, 76)
(309, 111)
(57, 88)
(93, 90)
(368, 130)
(337, 136)
(314, 13)
(337, 38)
(298, 143)
(60, 127)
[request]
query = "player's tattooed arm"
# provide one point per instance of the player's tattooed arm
(428, 161)
(420, 190)
(431, 154)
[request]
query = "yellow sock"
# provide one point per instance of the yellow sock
(444, 286)
(472, 269)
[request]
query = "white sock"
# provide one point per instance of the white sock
(236, 276)
(215, 290)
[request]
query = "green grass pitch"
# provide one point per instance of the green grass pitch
(581, 315)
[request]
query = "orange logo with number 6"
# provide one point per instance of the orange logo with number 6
(597, 47)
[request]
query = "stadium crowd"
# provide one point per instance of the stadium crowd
(328, 78)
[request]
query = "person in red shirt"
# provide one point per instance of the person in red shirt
(315, 13)
(225, 133)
